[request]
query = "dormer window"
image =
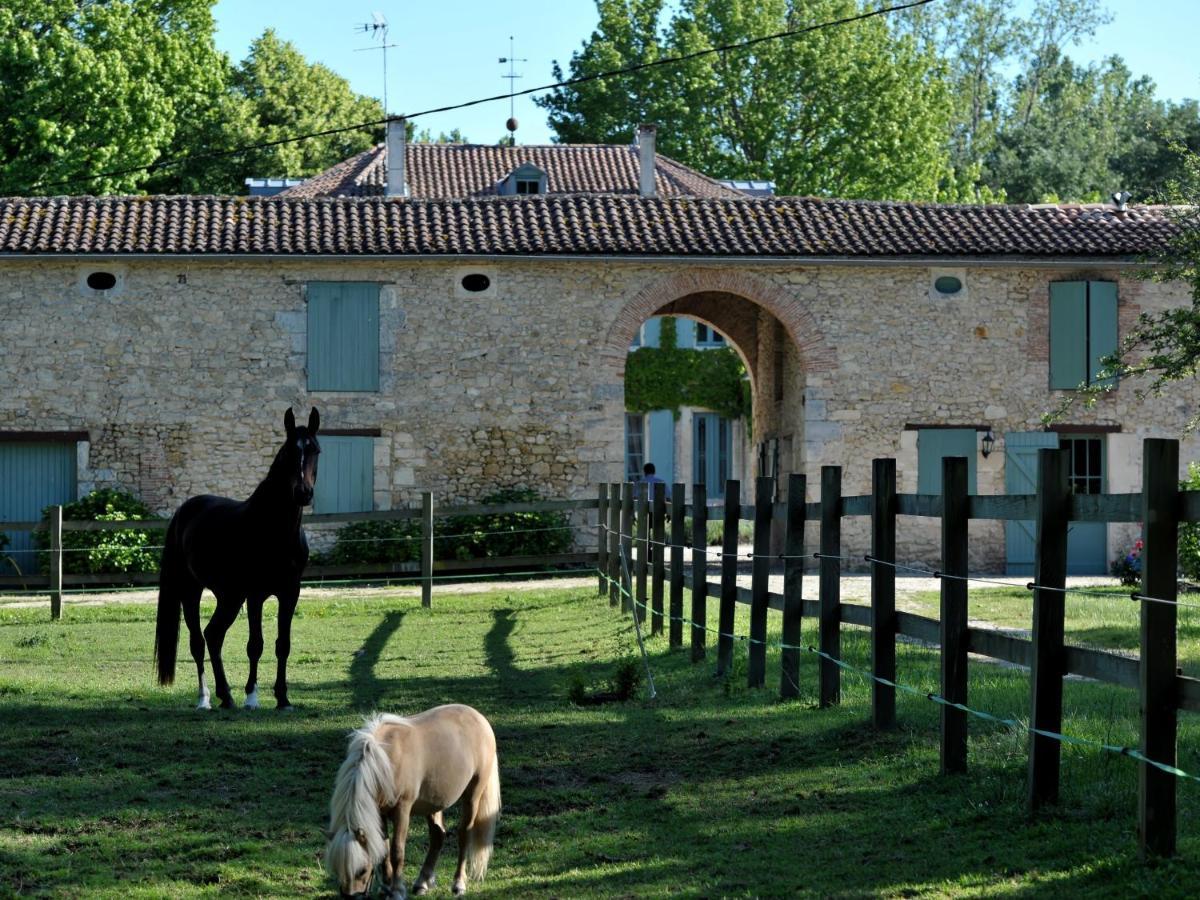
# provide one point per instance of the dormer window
(524, 179)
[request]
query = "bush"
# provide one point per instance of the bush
(1189, 532)
(103, 552)
(486, 536)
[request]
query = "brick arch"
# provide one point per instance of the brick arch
(816, 354)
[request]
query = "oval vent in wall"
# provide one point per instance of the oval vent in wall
(101, 281)
(948, 284)
(476, 282)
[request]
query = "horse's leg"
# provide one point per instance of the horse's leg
(191, 616)
(437, 837)
(254, 649)
(400, 818)
(283, 643)
(214, 635)
(466, 819)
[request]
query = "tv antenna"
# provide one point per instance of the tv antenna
(512, 77)
(378, 28)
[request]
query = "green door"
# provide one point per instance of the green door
(32, 477)
(1020, 477)
(1087, 542)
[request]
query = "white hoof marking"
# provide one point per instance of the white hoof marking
(252, 699)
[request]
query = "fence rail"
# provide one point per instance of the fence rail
(1163, 690)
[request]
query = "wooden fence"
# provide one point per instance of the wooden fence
(426, 570)
(634, 522)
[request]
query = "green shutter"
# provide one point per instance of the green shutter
(1102, 328)
(1068, 334)
(345, 474)
(933, 444)
(343, 336)
(32, 477)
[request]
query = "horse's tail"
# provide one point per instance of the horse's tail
(483, 830)
(166, 627)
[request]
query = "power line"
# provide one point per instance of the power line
(582, 79)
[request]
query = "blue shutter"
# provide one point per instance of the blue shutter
(662, 444)
(1102, 327)
(343, 336)
(32, 477)
(650, 332)
(345, 474)
(933, 444)
(1020, 477)
(685, 333)
(1068, 334)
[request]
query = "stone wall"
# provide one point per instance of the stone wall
(181, 374)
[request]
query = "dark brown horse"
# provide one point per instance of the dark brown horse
(244, 551)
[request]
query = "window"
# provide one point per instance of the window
(708, 337)
(635, 446)
(933, 445)
(1087, 464)
(712, 446)
(343, 336)
(524, 179)
(528, 186)
(1083, 330)
(345, 474)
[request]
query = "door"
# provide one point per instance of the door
(32, 477)
(661, 450)
(712, 447)
(1020, 477)
(1087, 542)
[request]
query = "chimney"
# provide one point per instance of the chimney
(646, 159)
(397, 185)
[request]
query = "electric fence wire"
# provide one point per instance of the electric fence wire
(1014, 724)
(569, 82)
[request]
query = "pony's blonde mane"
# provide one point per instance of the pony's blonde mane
(365, 783)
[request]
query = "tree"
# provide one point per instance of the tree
(851, 111)
(93, 87)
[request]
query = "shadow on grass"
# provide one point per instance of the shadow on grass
(367, 688)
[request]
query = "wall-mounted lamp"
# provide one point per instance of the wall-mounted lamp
(989, 442)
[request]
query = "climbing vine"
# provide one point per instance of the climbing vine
(670, 377)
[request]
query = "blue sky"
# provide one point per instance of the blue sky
(447, 52)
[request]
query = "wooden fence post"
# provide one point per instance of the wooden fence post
(602, 539)
(614, 544)
(627, 541)
(954, 612)
(675, 628)
(1160, 523)
(56, 562)
(829, 638)
(883, 591)
(793, 587)
(764, 493)
(699, 570)
(641, 505)
(427, 549)
(1048, 659)
(658, 555)
(729, 545)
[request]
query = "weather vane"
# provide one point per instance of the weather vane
(378, 28)
(512, 77)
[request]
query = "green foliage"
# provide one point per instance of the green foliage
(103, 552)
(487, 536)
(670, 377)
(855, 111)
(1189, 532)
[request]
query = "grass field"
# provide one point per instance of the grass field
(111, 787)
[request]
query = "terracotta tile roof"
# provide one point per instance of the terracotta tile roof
(464, 171)
(575, 224)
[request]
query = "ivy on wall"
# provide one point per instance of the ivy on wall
(669, 377)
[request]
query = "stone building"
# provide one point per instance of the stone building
(463, 336)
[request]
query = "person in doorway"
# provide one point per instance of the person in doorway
(649, 479)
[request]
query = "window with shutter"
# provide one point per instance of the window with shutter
(1083, 330)
(343, 336)
(346, 474)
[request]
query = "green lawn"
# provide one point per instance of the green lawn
(1104, 617)
(111, 787)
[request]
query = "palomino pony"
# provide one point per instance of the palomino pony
(243, 551)
(419, 765)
